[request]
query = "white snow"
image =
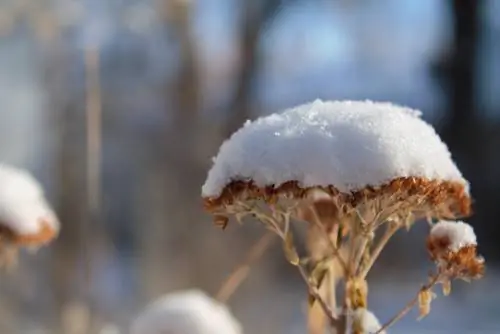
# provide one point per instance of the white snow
(347, 144)
(23, 205)
(459, 234)
(186, 312)
(367, 321)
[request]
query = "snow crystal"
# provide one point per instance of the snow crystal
(22, 202)
(459, 234)
(367, 321)
(347, 144)
(186, 312)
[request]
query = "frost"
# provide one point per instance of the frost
(186, 312)
(347, 144)
(458, 234)
(23, 206)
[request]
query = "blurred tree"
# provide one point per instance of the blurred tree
(70, 180)
(257, 16)
(465, 130)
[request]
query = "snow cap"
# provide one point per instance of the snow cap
(457, 233)
(345, 144)
(364, 321)
(24, 210)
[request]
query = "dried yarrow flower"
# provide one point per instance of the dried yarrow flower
(453, 246)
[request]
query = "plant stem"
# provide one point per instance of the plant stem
(315, 293)
(332, 244)
(389, 232)
(241, 272)
(409, 306)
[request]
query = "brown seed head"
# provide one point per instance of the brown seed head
(421, 197)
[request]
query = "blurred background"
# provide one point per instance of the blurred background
(117, 106)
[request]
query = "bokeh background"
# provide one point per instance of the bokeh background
(117, 106)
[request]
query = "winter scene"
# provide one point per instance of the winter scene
(249, 166)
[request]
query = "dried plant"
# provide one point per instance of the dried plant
(352, 211)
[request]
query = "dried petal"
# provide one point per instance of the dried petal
(446, 287)
(221, 221)
(425, 298)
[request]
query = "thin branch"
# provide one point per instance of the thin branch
(334, 248)
(94, 145)
(315, 293)
(389, 232)
(409, 306)
(241, 272)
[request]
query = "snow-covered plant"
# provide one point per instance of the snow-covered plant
(186, 312)
(357, 172)
(26, 218)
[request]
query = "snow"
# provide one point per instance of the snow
(367, 321)
(459, 234)
(186, 312)
(22, 202)
(347, 144)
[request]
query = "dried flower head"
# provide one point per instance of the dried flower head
(361, 155)
(186, 312)
(453, 246)
(26, 218)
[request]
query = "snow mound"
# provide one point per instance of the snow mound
(23, 206)
(367, 321)
(346, 144)
(186, 312)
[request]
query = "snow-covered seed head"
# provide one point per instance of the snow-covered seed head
(186, 312)
(365, 322)
(360, 154)
(453, 246)
(26, 218)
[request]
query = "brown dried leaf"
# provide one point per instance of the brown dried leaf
(425, 298)
(319, 272)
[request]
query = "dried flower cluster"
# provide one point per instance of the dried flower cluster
(356, 173)
(453, 248)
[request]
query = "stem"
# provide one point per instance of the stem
(332, 244)
(93, 155)
(315, 293)
(389, 232)
(359, 254)
(241, 272)
(408, 306)
(338, 324)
